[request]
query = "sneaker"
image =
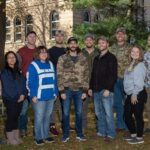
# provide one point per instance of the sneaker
(81, 138)
(136, 141)
(53, 130)
(119, 130)
(65, 139)
(39, 142)
(128, 138)
(107, 139)
(147, 130)
(100, 135)
(49, 140)
(23, 133)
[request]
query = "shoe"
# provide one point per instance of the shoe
(81, 138)
(119, 130)
(65, 139)
(147, 130)
(23, 133)
(100, 135)
(17, 136)
(10, 138)
(53, 130)
(128, 138)
(107, 139)
(136, 141)
(39, 142)
(49, 140)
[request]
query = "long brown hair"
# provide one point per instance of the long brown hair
(140, 53)
(132, 63)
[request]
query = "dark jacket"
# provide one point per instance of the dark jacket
(12, 88)
(104, 73)
(55, 53)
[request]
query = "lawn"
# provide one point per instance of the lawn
(93, 142)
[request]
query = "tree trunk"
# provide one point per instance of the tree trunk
(2, 31)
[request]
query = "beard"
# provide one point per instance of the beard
(89, 46)
(73, 49)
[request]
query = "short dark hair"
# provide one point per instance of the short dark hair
(38, 51)
(31, 32)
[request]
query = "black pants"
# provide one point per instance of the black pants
(13, 110)
(134, 114)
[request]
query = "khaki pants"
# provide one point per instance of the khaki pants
(147, 110)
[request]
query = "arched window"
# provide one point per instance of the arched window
(86, 17)
(28, 24)
(8, 30)
(17, 27)
(54, 23)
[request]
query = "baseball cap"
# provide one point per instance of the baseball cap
(72, 39)
(121, 29)
(89, 36)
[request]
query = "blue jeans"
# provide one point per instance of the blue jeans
(23, 118)
(42, 112)
(104, 113)
(66, 104)
(119, 98)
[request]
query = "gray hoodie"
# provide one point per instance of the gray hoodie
(134, 80)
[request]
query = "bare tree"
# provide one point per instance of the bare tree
(2, 30)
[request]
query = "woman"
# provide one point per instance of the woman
(41, 83)
(136, 96)
(13, 94)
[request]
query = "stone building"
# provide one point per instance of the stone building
(44, 17)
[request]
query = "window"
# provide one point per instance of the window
(28, 24)
(17, 27)
(8, 30)
(54, 23)
(86, 17)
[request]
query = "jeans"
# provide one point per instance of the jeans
(42, 112)
(135, 124)
(23, 118)
(104, 113)
(66, 105)
(119, 98)
(13, 111)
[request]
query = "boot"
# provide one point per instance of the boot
(17, 136)
(10, 138)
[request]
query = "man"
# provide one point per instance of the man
(25, 56)
(121, 50)
(73, 83)
(104, 76)
(147, 81)
(55, 52)
(90, 52)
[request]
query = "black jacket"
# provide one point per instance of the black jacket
(104, 73)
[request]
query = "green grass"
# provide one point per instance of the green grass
(93, 142)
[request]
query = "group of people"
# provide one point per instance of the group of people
(116, 78)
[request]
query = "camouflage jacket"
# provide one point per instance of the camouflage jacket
(90, 58)
(73, 75)
(122, 53)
